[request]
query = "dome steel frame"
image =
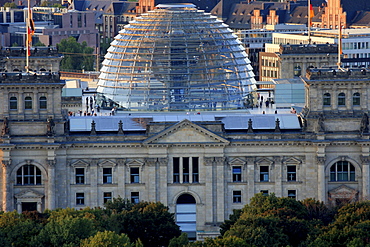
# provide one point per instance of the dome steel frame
(175, 58)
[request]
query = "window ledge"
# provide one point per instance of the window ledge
(292, 182)
(341, 182)
(265, 182)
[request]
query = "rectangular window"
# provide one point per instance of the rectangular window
(80, 198)
(43, 103)
(135, 197)
(292, 173)
(265, 192)
(134, 173)
(13, 103)
(107, 196)
(176, 170)
(264, 173)
(195, 169)
(185, 170)
(237, 196)
(107, 175)
(292, 194)
(80, 175)
(28, 103)
(237, 173)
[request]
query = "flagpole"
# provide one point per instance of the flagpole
(28, 36)
(309, 21)
(339, 44)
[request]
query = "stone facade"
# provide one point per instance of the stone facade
(45, 165)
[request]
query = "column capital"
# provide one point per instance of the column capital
(163, 161)
(6, 163)
(150, 161)
(365, 160)
(320, 160)
(51, 163)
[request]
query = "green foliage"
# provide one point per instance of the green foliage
(107, 239)
(180, 241)
(77, 56)
(151, 222)
(39, 43)
(15, 44)
(45, 4)
(66, 227)
(350, 228)
(17, 230)
(11, 5)
(118, 204)
(231, 221)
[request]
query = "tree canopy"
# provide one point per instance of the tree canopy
(77, 56)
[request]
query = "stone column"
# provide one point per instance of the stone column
(51, 185)
(162, 180)
(251, 178)
(7, 191)
(19, 207)
(93, 179)
(210, 192)
(151, 179)
(321, 185)
(278, 177)
(365, 160)
(219, 189)
(120, 178)
(39, 208)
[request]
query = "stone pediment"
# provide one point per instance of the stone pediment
(186, 132)
(28, 193)
(343, 191)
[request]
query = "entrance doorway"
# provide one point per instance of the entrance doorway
(186, 215)
(29, 206)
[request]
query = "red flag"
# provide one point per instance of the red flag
(30, 31)
(311, 15)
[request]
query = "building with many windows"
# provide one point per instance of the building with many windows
(201, 164)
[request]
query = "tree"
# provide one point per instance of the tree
(118, 204)
(66, 227)
(180, 241)
(11, 5)
(271, 221)
(39, 43)
(108, 239)
(350, 228)
(76, 56)
(17, 230)
(151, 222)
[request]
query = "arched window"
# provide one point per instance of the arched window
(297, 70)
(327, 99)
(342, 171)
(13, 103)
(43, 102)
(28, 103)
(356, 99)
(28, 175)
(341, 99)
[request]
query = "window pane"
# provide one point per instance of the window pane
(107, 175)
(135, 175)
(237, 173)
(185, 169)
(107, 196)
(264, 173)
(43, 103)
(195, 161)
(80, 198)
(28, 103)
(237, 196)
(13, 103)
(135, 197)
(80, 175)
(176, 170)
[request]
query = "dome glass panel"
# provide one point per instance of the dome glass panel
(175, 58)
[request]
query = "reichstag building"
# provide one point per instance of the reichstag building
(181, 136)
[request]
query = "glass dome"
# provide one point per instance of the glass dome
(175, 58)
